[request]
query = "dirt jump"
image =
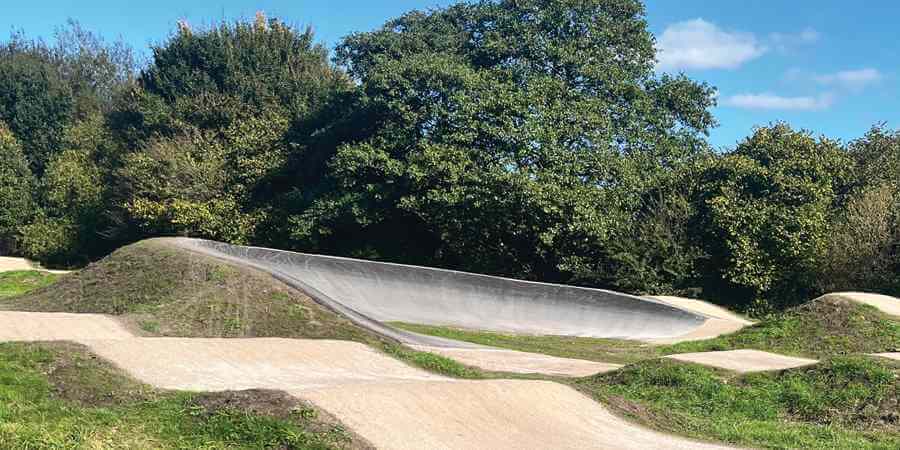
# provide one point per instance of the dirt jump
(394, 405)
(390, 404)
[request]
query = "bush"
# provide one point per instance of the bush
(16, 188)
(763, 216)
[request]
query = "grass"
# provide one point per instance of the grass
(20, 282)
(844, 402)
(825, 327)
(59, 396)
(822, 328)
(593, 349)
(847, 401)
(161, 290)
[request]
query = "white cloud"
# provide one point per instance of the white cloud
(784, 41)
(698, 44)
(772, 101)
(854, 79)
(809, 36)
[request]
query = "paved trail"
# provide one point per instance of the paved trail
(9, 264)
(392, 405)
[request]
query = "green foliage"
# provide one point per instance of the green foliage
(764, 215)
(526, 138)
(863, 251)
(16, 189)
(181, 186)
(845, 402)
(53, 241)
(35, 101)
(506, 137)
(213, 78)
(821, 328)
(20, 282)
(113, 411)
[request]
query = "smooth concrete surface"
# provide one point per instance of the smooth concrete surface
(701, 307)
(502, 360)
(370, 293)
(744, 361)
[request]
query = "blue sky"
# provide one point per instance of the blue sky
(826, 66)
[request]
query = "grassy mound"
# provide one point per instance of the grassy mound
(824, 327)
(158, 289)
(162, 290)
(844, 402)
(61, 396)
(23, 281)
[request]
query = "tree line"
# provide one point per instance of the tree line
(523, 138)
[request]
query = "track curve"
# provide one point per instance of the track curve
(371, 293)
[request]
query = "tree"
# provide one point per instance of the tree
(509, 137)
(16, 185)
(35, 101)
(213, 78)
(764, 213)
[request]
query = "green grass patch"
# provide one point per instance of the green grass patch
(162, 290)
(844, 402)
(20, 282)
(59, 396)
(432, 362)
(822, 328)
(593, 349)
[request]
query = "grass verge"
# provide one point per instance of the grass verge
(822, 328)
(844, 402)
(593, 349)
(20, 282)
(60, 396)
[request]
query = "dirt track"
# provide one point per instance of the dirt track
(499, 360)
(744, 361)
(8, 264)
(390, 404)
(887, 304)
(26, 326)
(497, 414)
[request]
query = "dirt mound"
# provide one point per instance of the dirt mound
(887, 304)
(824, 327)
(160, 290)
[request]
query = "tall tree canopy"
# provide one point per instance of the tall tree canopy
(505, 136)
(206, 126)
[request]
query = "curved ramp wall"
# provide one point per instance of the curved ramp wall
(371, 292)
